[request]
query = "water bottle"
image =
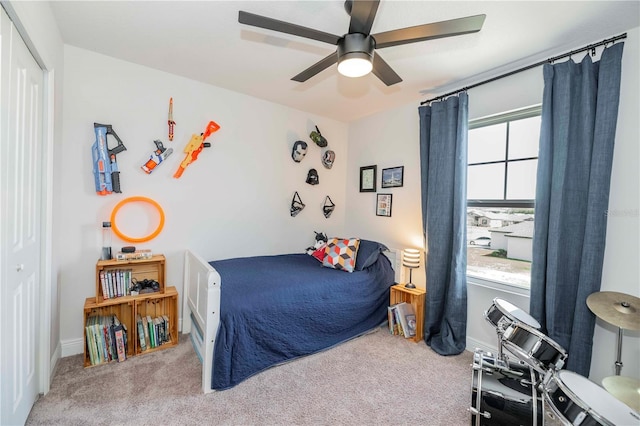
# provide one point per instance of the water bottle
(106, 241)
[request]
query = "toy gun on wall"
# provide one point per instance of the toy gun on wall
(157, 157)
(105, 166)
(195, 146)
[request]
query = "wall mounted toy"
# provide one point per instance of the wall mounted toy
(105, 166)
(151, 236)
(312, 177)
(195, 146)
(170, 121)
(328, 157)
(317, 137)
(328, 207)
(296, 205)
(299, 151)
(158, 156)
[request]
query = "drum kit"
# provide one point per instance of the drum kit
(532, 388)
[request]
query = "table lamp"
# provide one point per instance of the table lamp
(411, 260)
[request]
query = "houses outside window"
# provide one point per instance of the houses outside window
(501, 186)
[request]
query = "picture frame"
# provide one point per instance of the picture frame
(368, 176)
(393, 177)
(383, 205)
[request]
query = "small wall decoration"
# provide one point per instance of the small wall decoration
(317, 137)
(368, 179)
(312, 177)
(383, 205)
(393, 177)
(328, 157)
(296, 205)
(299, 151)
(328, 207)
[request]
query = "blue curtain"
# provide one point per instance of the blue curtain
(443, 164)
(579, 114)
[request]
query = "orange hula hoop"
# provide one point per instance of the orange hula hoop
(124, 237)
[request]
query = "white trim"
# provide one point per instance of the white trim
(473, 344)
(72, 347)
(54, 361)
(500, 286)
(46, 235)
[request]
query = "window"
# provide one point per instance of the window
(501, 187)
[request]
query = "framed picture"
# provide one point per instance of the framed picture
(368, 178)
(383, 205)
(393, 177)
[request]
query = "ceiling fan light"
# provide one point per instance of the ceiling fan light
(355, 65)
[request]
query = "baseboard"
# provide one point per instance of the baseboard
(72, 347)
(57, 354)
(473, 344)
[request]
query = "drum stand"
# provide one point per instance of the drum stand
(619, 358)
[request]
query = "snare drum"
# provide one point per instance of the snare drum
(503, 393)
(534, 347)
(501, 314)
(571, 399)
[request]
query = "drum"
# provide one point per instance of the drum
(501, 314)
(533, 347)
(503, 392)
(571, 399)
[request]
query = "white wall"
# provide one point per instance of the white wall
(233, 201)
(391, 139)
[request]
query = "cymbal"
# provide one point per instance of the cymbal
(625, 389)
(619, 309)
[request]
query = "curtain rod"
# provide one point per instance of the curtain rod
(537, 64)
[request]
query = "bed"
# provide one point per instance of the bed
(245, 315)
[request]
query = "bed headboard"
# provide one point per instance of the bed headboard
(395, 256)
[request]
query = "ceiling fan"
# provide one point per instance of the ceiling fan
(355, 53)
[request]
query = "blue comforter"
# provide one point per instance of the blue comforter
(277, 308)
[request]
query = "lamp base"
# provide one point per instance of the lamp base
(409, 285)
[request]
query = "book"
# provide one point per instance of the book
(407, 319)
(145, 326)
(391, 319)
(105, 291)
(143, 342)
(151, 326)
(398, 326)
(120, 349)
(167, 333)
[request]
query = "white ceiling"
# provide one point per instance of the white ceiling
(204, 41)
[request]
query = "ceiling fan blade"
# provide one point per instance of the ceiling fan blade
(363, 12)
(286, 27)
(316, 68)
(384, 72)
(453, 27)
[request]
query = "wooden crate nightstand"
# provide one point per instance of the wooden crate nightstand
(415, 297)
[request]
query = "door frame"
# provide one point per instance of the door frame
(45, 358)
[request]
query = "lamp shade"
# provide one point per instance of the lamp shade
(411, 258)
(355, 55)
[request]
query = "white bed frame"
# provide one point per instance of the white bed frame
(201, 306)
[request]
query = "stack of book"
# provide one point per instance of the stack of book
(106, 339)
(402, 319)
(115, 283)
(153, 332)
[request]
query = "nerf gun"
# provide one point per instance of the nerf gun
(170, 121)
(156, 157)
(105, 166)
(195, 146)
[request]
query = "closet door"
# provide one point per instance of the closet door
(21, 84)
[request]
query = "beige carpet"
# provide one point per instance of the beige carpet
(376, 379)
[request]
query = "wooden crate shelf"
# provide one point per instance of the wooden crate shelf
(126, 308)
(415, 297)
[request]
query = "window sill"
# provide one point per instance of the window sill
(497, 285)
